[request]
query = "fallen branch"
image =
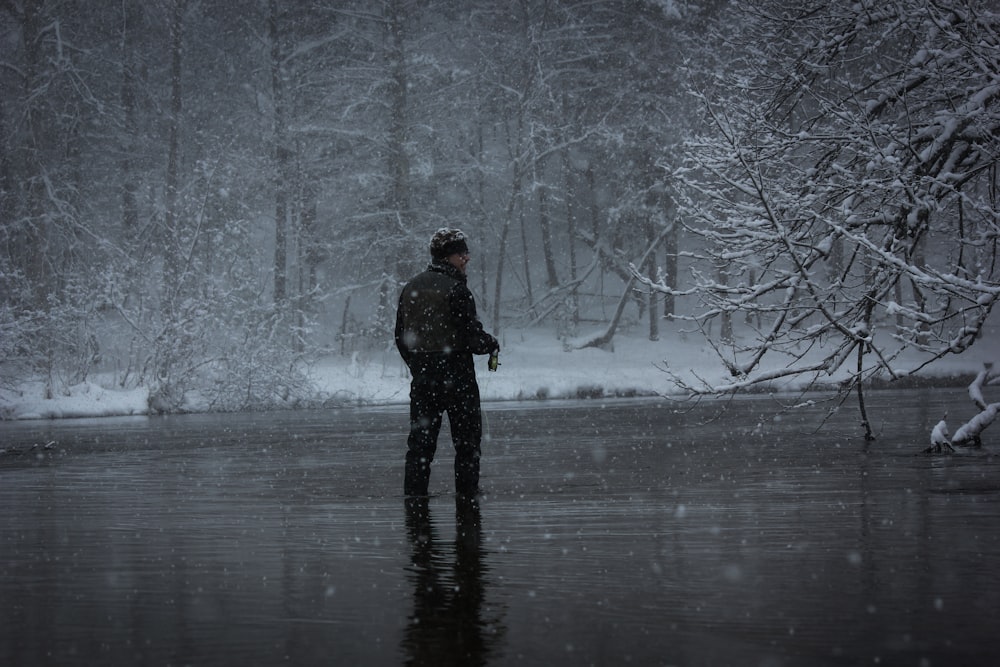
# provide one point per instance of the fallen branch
(969, 434)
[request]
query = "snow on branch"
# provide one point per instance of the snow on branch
(969, 433)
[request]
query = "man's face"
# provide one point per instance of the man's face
(459, 261)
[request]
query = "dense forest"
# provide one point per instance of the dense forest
(208, 194)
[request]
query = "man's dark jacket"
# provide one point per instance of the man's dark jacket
(436, 322)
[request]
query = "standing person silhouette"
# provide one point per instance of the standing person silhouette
(437, 334)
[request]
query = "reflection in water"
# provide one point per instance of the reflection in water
(448, 626)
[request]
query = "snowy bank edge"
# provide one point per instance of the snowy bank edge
(89, 400)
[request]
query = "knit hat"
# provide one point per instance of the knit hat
(447, 242)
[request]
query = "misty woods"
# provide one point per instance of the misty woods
(208, 195)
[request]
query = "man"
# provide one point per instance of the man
(437, 332)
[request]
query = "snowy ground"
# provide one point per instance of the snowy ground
(534, 365)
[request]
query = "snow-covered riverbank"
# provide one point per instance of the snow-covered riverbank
(534, 365)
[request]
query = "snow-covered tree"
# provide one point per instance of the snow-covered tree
(846, 192)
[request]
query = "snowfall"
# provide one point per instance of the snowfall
(534, 365)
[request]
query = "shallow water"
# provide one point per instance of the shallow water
(610, 533)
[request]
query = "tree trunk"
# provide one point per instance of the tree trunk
(399, 162)
(172, 227)
(604, 339)
(7, 207)
(281, 159)
(309, 257)
(869, 436)
(919, 298)
(129, 187)
(545, 227)
(480, 151)
(671, 246)
(653, 305)
(35, 226)
(595, 215)
(397, 199)
(570, 188)
(515, 194)
(526, 256)
(726, 318)
(516, 186)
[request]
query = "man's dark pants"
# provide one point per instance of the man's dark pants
(438, 388)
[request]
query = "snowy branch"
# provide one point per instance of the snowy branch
(970, 432)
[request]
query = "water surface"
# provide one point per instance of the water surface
(610, 533)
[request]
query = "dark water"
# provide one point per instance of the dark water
(626, 532)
